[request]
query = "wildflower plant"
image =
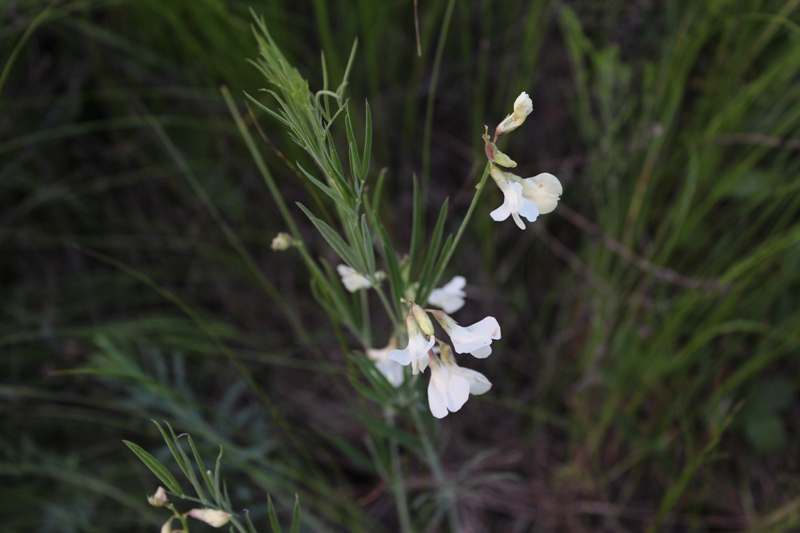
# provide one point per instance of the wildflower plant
(371, 268)
(211, 503)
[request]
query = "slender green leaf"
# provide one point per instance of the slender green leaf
(433, 251)
(186, 464)
(334, 195)
(369, 250)
(296, 515)
(337, 243)
(367, 142)
(273, 516)
(203, 472)
(395, 275)
(156, 468)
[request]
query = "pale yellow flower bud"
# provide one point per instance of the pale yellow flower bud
(496, 156)
(522, 108)
(159, 499)
(282, 242)
(212, 517)
(422, 319)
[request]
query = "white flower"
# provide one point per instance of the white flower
(475, 339)
(514, 204)
(478, 384)
(352, 280)
(211, 517)
(522, 108)
(528, 197)
(392, 371)
(451, 296)
(416, 353)
(159, 499)
(447, 390)
(282, 241)
(543, 191)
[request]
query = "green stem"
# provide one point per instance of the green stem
(366, 331)
(398, 482)
(432, 458)
(443, 265)
(389, 307)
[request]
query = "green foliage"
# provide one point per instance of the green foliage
(216, 491)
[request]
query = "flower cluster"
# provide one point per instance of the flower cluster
(522, 198)
(450, 385)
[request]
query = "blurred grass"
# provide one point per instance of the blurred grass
(648, 375)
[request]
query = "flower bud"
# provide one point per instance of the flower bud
(411, 325)
(496, 156)
(446, 353)
(282, 242)
(444, 319)
(159, 499)
(522, 108)
(212, 517)
(422, 319)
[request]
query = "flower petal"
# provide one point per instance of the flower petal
(543, 190)
(478, 384)
(528, 210)
(457, 392)
(456, 284)
(501, 213)
(488, 326)
(482, 353)
(401, 356)
(392, 371)
(437, 400)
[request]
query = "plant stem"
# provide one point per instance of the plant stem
(445, 490)
(438, 274)
(389, 307)
(398, 482)
(365, 317)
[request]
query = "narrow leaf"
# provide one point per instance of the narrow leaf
(156, 468)
(337, 243)
(367, 142)
(296, 515)
(273, 516)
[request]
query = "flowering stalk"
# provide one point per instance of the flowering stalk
(344, 292)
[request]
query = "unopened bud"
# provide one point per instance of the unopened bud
(446, 353)
(211, 517)
(411, 325)
(282, 242)
(444, 319)
(495, 155)
(422, 319)
(159, 499)
(522, 108)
